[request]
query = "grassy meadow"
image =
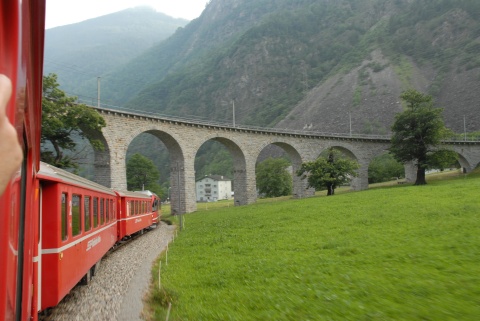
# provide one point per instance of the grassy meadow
(389, 253)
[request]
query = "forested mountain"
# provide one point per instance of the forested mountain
(319, 65)
(81, 52)
(311, 63)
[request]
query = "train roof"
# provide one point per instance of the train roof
(147, 192)
(51, 173)
(133, 194)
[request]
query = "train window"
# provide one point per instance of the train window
(86, 211)
(64, 220)
(76, 215)
(95, 211)
(130, 203)
(112, 209)
(107, 210)
(102, 210)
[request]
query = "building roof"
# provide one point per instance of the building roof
(216, 178)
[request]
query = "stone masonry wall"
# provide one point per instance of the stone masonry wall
(183, 140)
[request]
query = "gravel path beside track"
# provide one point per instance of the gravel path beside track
(116, 291)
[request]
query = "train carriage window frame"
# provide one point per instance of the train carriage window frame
(76, 213)
(102, 211)
(95, 212)
(87, 204)
(107, 211)
(112, 208)
(64, 216)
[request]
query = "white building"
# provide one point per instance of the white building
(213, 188)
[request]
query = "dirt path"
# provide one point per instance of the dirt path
(132, 305)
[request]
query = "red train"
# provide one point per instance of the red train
(21, 60)
(55, 226)
(79, 222)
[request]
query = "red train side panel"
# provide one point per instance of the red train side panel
(136, 213)
(21, 59)
(78, 226)
(156, 206)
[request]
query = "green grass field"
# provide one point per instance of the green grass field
(390, 253)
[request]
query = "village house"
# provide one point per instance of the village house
(213, 188)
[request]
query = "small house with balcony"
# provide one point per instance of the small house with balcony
(213, 188)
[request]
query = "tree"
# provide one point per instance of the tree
(329, 172)
(273, 179)
(61, 118)
(383, 168)
(417, 135)
(142, 175)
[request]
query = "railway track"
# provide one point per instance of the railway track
(123, 269)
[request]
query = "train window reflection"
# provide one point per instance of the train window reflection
(102, 212)
(107, 210)
(76, 215)
(86, 211)
(64, 217)
(95, 211)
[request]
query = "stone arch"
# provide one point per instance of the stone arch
(119, 141)
(363, 158)
(102, 159)
(242, 195)
(465, 164)
(386, 165)
(300, 188)
(463, 160)
(344, 149)
(178, 195)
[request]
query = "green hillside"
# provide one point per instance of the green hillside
(402, 253)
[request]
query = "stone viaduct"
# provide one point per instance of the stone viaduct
(184, 138)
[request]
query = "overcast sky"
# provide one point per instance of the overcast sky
(64, 12)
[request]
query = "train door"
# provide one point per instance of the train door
(38, 254)
(21, 57)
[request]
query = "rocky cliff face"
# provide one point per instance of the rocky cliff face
(367, 98)
(324, 65)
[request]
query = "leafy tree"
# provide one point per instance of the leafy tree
(329, 172)
(273, 179)
(384, 168)
(417, 135)
(61, 118)
(143, 175)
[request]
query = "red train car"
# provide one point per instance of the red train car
(55, 226)
(78, 227)
(22, 25)
(137, 212)
(156, 206)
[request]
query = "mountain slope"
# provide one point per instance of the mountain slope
(81, 52)
(220, 24)
(293, 51)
